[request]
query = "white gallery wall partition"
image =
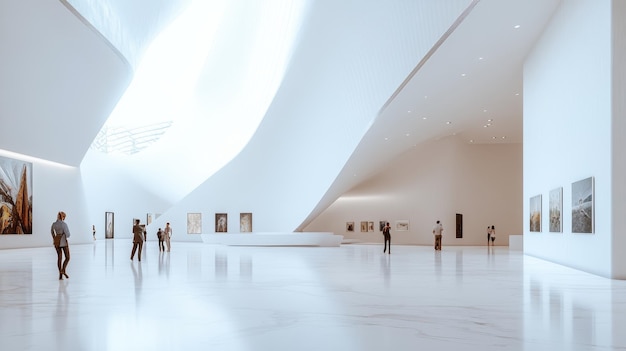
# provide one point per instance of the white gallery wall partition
(569, 139)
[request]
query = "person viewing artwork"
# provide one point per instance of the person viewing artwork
(387, 237)
(438, 233)
(60, 233)
(138, 239)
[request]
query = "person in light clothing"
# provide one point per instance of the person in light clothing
(168, 235)
(438, 233)
(60, 233)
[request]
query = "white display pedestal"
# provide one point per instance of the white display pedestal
(516, 242)
(273, 239)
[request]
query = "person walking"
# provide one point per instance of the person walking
(493, 234)
(168, 235)
(60, 232)
(387, 237)
(161, 236)
(93, 231)
(138, 239)
(438, 233)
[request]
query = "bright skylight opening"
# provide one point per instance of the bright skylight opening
(192, 73)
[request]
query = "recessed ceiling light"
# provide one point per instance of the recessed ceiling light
(409, 111)
(484, 110)
(490, 120)
(425, 96)
(503, 137)
(386, 138)
(480, 58)
(463, 74)
(516, 26)
(471, 141)
(424, 118)
(486, 126)
(516, 94)
(493, 137)
(448, 122)
(408, 134)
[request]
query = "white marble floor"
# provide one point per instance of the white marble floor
(205, 297)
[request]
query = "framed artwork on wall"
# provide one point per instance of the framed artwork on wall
(363, 226)
(109, 225)
(556, 210)
(459, 225)
(402, 225)
(535, 213)
(583, 206)
(16, 198)
(381, 225)
(221, 223)
(245, 222)
(194, 223)
(370, 226)
(349, 226)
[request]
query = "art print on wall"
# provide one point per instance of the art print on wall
(370, 226)
(583, 206)
(16, 200)
(245, 222)
(381, 225)
(221, 222)
(349, 226)
(535, 214)
(363, 226)
(402, 225)
(109, 225)
(194, 223)
(556, 210)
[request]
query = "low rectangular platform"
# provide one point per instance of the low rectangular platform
(326, 239)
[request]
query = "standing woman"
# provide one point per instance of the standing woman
(488, 235)
(493, 234)
(60, 232)
(138, 239)
(387, 235)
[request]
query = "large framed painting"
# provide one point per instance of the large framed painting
(109, 225)
(583, 206)
(556, 210)
(194, 223)
(221, 222)
(16, 198)
(535, 214)
(245, 222)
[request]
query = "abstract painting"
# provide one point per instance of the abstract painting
(194, 223)
(221, 222)
(245, 222)
(556, 210)
(583, 206)
(349, 226)
(535, 213)
(16, 200)
(402, 225)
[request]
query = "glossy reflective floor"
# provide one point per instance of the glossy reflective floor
(204, 297)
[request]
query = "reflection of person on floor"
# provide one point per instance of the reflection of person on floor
(138, 239)
(387, 237)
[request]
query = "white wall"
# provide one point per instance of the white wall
(567, 131)
(349, 60)
(55, 188)
(482, 182)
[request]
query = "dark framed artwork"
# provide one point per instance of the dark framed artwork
(381, 225)
(363, 226)
(349, 226)
(16, 198)
(194, 223)
(149, 218)
(109, 225)
(459, 226)
(370, 226)
(535, 214)
(221, 222)
(556, 210)
(583, 206)
(245, 222)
